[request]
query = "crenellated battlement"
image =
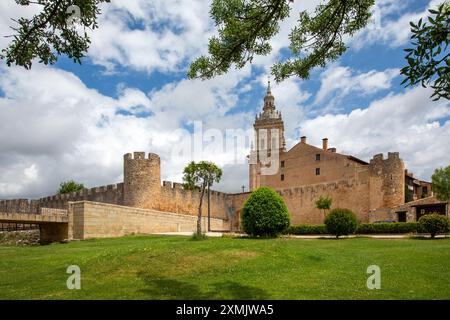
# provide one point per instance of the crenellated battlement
(379, 158)
(139, 155)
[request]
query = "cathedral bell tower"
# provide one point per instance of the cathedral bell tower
(268, 143)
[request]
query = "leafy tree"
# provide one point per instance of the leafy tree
(199, 176)
(50, 33)
(433, 224)
(441, 183)
(265, 213)
(324, 204)
(429, 59)
(70, 186)
(341, 222)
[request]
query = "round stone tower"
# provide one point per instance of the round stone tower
(142, 180)
(394, 180)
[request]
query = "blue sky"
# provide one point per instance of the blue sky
(71, 121)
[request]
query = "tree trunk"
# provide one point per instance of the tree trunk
(199, 218)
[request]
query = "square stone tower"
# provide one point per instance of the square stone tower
(269, 142)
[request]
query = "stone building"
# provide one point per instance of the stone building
(305, 172)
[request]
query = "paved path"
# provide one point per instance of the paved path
(208, 234)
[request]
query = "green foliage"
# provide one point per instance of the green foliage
(429, 59)
(265, 213)
(198, 175)
(246, 26)
(48, 33)
(441, 183)
(387, 228)
(324, 203)
(69, 186)
(341, 222)
(307, 229)
(434, 223)
(364, 228)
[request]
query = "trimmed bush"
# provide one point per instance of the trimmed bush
(341, 222)
(265, 213)
(387, 228)
(433, 224)
(307, 229)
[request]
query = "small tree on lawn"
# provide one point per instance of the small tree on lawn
(69, 186)
(441, 183)
(265, 213)
(324, 204)
(341, 222)
(433, 224)
(200, 176)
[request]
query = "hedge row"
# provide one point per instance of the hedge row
(364, 228)
(387, 228)
(307, 229)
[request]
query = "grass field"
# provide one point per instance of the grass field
(170, 267)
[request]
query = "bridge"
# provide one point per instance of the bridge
(53, 223)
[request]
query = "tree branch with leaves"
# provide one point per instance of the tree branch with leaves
(429, 59)
(48, 34)
(246, 26)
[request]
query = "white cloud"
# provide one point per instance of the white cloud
(406, 122)
(151, 35)
(343, 81)
(389, 29)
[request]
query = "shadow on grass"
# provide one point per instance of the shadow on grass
(158, 287)
(427, 238)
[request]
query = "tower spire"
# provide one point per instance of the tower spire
(268, 87)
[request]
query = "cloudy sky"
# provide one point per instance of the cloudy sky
(131, 93)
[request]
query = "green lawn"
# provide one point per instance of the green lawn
(169, 267)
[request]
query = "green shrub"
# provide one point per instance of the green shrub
(265, 213)
(341, 222)
(433, 224)
(387, 228)
(307, 229)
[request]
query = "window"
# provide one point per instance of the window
(317, 171)
(318, 157)
(282, 177)
(282, 164)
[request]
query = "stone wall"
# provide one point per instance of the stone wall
(173, 198)
(98, 220)
(301, 201)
